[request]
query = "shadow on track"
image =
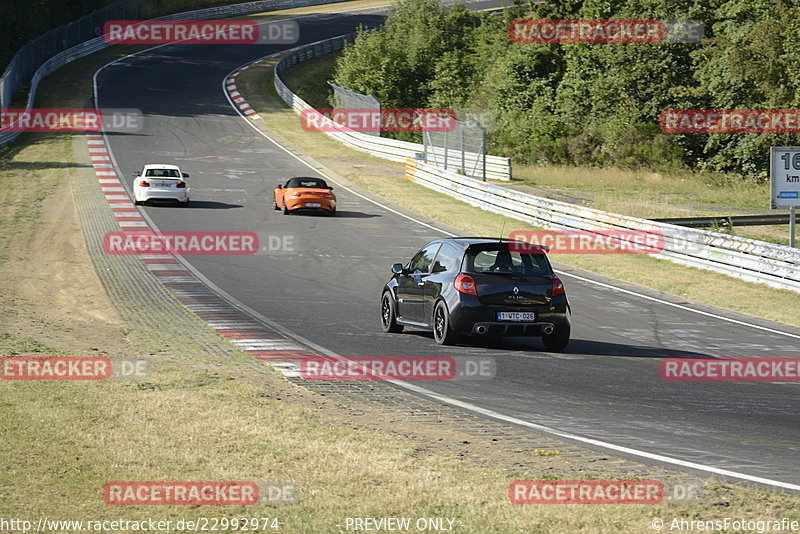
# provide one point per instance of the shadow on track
(355, 215)
(576, 347)
(339, 214)
(194, 205)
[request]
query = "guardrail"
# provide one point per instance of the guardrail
(731, 220)
(98, 43)
(748, 259)
(497, 168)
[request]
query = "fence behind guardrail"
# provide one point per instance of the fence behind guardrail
(349, 99)
(495, 167)
(462, 149)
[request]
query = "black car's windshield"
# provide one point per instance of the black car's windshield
(505, 261)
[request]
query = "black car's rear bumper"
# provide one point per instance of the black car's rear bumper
(474, 318)
(511, 329)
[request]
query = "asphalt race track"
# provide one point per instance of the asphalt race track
(606, 386)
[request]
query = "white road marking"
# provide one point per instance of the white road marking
(234, 325)
(287, 369)
(267, 344)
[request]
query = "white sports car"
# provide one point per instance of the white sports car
(157, 181)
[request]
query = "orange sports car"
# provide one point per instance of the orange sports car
(301, 194)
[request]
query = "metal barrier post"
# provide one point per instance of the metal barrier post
(463, 160)
(793, 225)
(446, 149)
(483, 153)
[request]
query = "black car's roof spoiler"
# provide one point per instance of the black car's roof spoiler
(489, 240)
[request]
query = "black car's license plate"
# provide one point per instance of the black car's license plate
(526, 317)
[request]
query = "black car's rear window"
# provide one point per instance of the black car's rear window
(318, 183)
(501, 260)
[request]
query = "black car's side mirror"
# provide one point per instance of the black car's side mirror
(397, 268)
(185, 174)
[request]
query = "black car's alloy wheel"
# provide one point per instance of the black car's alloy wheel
(388, 316)
(442, 333)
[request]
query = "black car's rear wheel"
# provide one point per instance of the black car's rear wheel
(559, 339)
(388, 315)
(442, 333)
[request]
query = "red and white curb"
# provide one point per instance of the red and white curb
(237, 98)
(243, 330)
(128, 217)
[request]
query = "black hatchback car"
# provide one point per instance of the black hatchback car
(478, 287)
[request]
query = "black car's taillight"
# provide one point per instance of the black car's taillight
(558, 287)
(466, 284)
